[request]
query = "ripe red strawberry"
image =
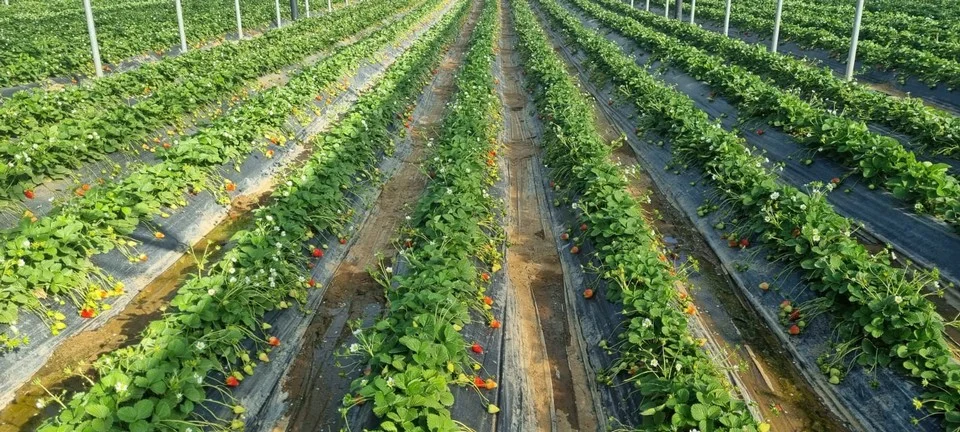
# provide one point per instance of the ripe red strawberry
(232, 381)
(476, 348)
(230, 187)
(485, 276)
(588, 293)
(86, 313)
(408, 243)
(744, 242)
(487, 301)
(564, 236)
(575, 250)
(317, 253)
(835, 180)
(312, 283)
(794, 330)
(477, 381)
(732, 243)
(795, 315)
(273, 341)
(583, 227)
(495, 324)
(28, 193)
(760, 132)
(343, 240)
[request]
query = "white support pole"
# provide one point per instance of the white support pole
(854, 40)
(348, 2)
(774, 44)
(726, 20)
(329, 6)
(183, 33)
(308, 7)
(693, 11)
(666, 9)
(236, 8)
(6, 2)
(648, 6)
(631, 4)
(679, 12)
(279, 22)
(94, 46)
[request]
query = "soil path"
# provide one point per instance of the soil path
(551, 357)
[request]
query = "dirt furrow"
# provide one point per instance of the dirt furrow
(551, 357)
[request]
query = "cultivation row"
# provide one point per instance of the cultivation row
(945, 11)
(51, 257)
(681, 387)
(805, 28)
(50, 133)
(217, 333)
(38, 44)
(932, 129)
(879, 159)
(417, 351)
(883, 317)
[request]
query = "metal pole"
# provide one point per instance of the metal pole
(631, 4)
(726, 20)
(776, 27)
(854, 39)
(329, 6)
(94, 46)
(666, 9)
(693, 11)
(294, 10)
(648, 5)
(279, 22)
(236, 7)
(183, 33)
(307, 7)
(678, 5)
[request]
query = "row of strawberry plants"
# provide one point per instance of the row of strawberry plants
(940, 11)
(899, 57)
(882, 316)
(96, 127)
(49, 45)
(51, 256)
(203, 345)
(880, 159)
(416, 352)
(932, 128)
(30, 109)
(679, 385)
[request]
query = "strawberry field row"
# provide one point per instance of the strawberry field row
(933, 129)
(899, 56)
(942, 12)
(53, 137)
(46, 45)
(680, 386)
(51, 256)
(416, 351)
(883, 317)
(200, 349)
(880, 159)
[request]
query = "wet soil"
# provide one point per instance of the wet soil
(551, 357)
(316, 384)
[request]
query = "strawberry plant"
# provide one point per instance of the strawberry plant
(883, 319)
(417, 347)
(53, 132)
(201, 346)
(102, 219)
(875, 156)
(678, 385)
